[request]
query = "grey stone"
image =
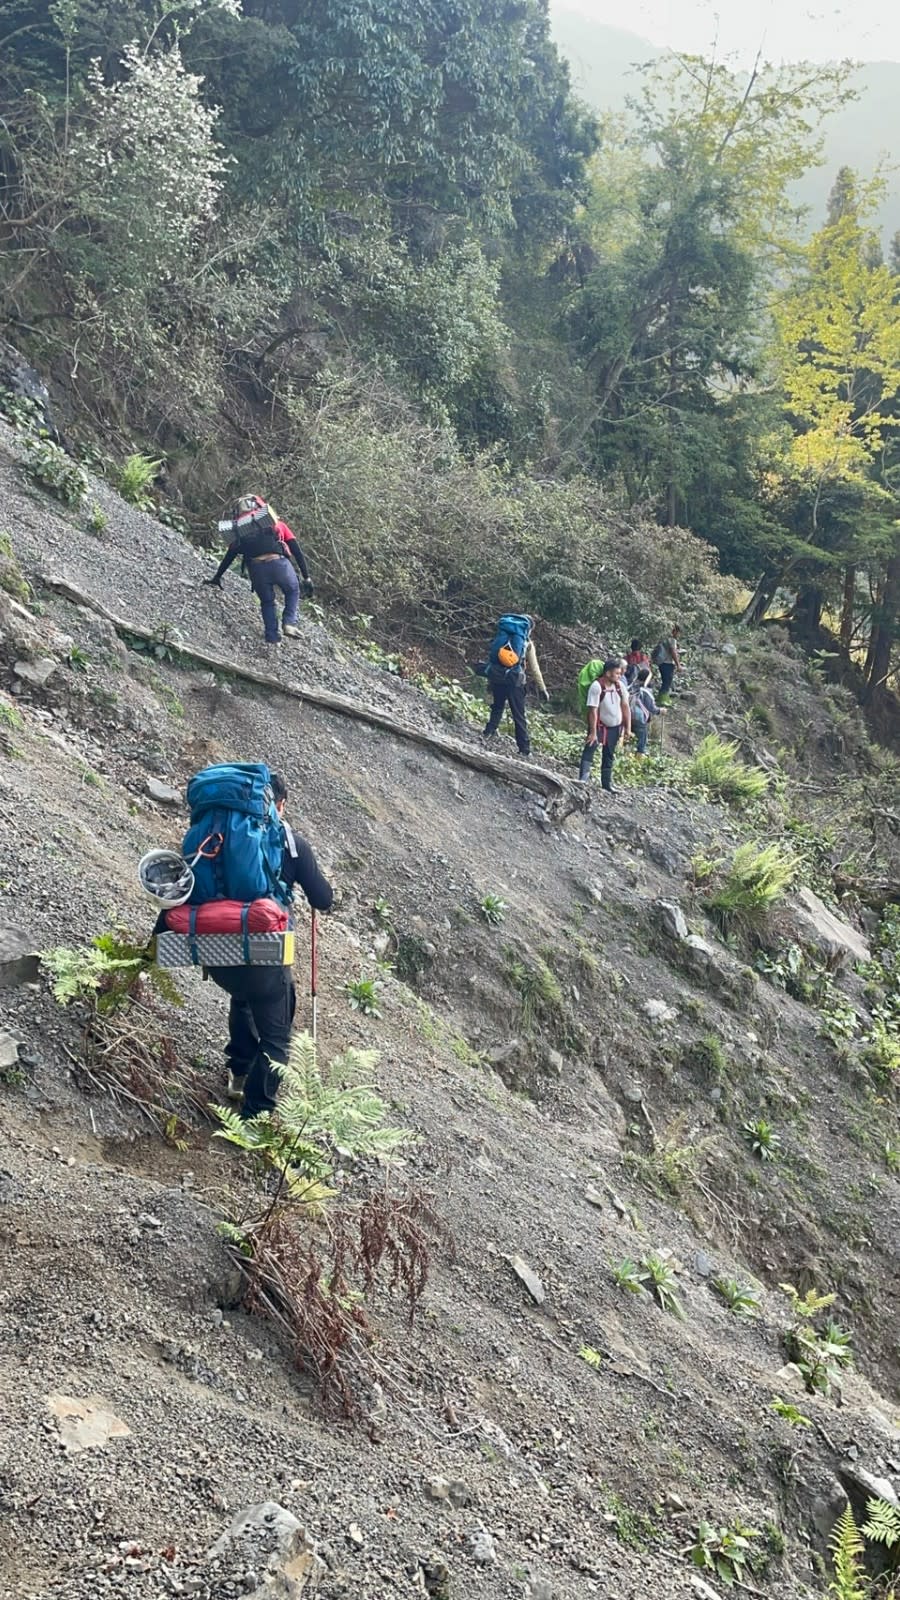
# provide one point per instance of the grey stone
(437, 1488)
(482, 1546)
(830, 934)
(633, 1093)
(593, 1196)
(164, 792)
(539, 1589)
(502, 1053)
(18, 957)
(530, 1279)
(670, 918)
(460, 1493)
(704, 1264)
(658, 1011)
(269, 1542)
(9, 1051)
(729, 649)
(862, 1485)
(36, 674)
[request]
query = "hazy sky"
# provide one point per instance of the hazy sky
(866, 30)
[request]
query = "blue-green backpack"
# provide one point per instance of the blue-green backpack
(240, 834)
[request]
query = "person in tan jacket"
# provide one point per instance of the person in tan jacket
(511, 659)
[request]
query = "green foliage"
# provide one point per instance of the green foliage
(762, 1139)
(537, 987)
(715, 767)
(48, 465)
(134, 478)
(363, 995)
(752, 885)
(882, 1524)
(97, 521)
(10, 717)
(789, 1413)
(740, 1298)
(25, 413)
(847, 1553)
(655, 1275)
(106, 972)
(383, 912)
(592, 1357)
(323, 1112)
(820, 1352)
(77, 659)
(493, 909)
(724, 1551)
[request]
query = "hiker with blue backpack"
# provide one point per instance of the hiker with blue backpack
(643, 709)
(511, 657)
(228, 897)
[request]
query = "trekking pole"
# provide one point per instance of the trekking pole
(314, 970)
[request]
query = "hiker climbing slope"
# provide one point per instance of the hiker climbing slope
(665, 656)
(511, 657)
(608, 718)
(272, 558)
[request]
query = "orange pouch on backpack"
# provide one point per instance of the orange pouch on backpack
(507, 657)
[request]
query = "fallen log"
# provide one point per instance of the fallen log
(563, 796)
(876, 893)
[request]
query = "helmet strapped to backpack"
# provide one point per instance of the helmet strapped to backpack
(237, 802)
(510, 643)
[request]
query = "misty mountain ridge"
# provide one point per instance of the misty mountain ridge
(862, 134)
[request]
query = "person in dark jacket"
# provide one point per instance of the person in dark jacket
(263, 999)
(272, 560)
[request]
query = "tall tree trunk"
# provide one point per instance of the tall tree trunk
(885, 633)
(848, 608)
(807, 614)
(762, 597)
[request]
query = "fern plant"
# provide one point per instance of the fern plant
(322, 1112)
(134, 478)
(847, 1553)
(755, 881)
(882, 1525)
(715, 767)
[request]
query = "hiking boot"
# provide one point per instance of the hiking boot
(290, 630)
(236, 1084)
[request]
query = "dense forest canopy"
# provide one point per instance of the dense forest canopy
(376, 254)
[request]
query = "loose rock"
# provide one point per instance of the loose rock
(36, 674)
(268, 1542)
(18, 958)
(164, 792)
(530, 1279)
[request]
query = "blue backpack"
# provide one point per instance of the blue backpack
(511, 639)
(235, 825)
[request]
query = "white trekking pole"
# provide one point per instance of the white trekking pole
(314, 971)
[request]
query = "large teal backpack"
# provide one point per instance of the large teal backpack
(513, 633)
(235, 825)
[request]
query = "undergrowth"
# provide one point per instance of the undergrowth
(755, 881)
(715, 767)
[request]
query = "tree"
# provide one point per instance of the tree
(666, 323)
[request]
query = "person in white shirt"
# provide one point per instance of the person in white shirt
(608, 718)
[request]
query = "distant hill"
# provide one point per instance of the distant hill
(604, 62)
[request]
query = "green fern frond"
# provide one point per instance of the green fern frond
(847, 1550)
(882, 1523)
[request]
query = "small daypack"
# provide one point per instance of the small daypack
(255, 533)
(510, 642)
(588, 675)
(639, 712)
(239, 833)
(659, 654)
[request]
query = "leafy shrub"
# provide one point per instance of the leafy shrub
(134, 478)
(739, 1297)
(755, 881)
(97, 521)
(762, 1139)
(714, 766)
(790, 1414)
(723, 1551)
(821, 1352)
(537, 986)
(363, 996)
(493, 909)
(47, 464)
(654, 1275)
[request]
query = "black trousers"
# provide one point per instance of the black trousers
(666, 674)
(608, 747)
(260, 1017)
(510, 694)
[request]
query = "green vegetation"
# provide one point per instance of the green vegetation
(48, 465)
(493, 909)
(106, 972)
(739, 1297)
(762, 1139)
(725, 1551)
(134, 478)
(714, 766)
(320, 1111)
(819, 1348)
(790, 1414)
(97, 521)
(537, 987)
(752, 885)
(655, 1275)
(592, 1357)
(363, 995)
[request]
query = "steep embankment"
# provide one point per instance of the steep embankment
(594, 1124)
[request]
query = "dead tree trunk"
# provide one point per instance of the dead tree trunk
(564, 796)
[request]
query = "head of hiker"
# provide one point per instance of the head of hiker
(612, 669)
(279, 792)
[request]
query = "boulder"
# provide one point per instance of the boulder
(9, 1052)
(658, 1011)
(822, 929)
(36, 674)
(529, 1278)
(669, 917)
(18, 957)
(265, 1554)
(164, 792)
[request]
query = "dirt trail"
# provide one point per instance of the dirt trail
(115, 1284)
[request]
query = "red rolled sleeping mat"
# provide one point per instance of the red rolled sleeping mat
(225, 916)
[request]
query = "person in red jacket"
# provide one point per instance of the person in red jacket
(272, 557)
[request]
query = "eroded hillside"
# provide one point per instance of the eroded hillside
(581, 1077)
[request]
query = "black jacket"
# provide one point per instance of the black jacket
(301, 870)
